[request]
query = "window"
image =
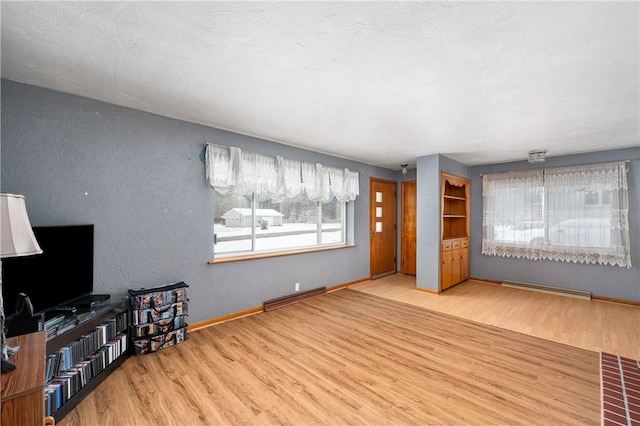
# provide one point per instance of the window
(264, 203)
(332, 223)
(290, 224)
(572, 214)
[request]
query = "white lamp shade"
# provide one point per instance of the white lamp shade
(16, 234)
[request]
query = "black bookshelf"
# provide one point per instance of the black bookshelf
(77, 326)
(59, 414)
(100, 314)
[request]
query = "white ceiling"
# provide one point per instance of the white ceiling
(378, 82)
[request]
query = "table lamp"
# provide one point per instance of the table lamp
(16, 239)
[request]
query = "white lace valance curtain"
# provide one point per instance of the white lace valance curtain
(233, 171)
(571, 214)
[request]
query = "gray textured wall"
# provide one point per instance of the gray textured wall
(606, 281)
(428, 223)
(140, 179)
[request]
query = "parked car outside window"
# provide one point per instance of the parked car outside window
(582, 232)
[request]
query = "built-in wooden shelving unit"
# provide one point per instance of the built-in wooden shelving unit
(454, 226)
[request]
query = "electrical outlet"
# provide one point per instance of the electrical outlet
(297, 287)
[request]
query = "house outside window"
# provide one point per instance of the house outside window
(291, 224)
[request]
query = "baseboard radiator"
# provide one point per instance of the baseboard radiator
(280, 302)
(579, 294)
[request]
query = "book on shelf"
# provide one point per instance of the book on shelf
(54, 322)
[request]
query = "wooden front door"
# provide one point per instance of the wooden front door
(408, 231)
(383, 227)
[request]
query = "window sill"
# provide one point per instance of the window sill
(277, 254)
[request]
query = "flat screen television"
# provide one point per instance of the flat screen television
(62, 273)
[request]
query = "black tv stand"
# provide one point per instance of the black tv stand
(80, 325)
(90, 300)
(62, 310)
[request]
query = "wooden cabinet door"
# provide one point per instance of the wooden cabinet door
(464, 264)
(456, 276)
(446, 279)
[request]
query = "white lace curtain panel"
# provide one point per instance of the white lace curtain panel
(233, 171)
(571, 214)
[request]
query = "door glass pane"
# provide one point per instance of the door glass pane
(378, 197)
(378, 211)
(378, 226)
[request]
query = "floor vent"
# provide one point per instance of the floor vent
(272, 304)
(578, 294)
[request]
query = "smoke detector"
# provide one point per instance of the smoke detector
(537, 156)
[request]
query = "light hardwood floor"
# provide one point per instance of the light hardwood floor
(351, 358)
(594, 325)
